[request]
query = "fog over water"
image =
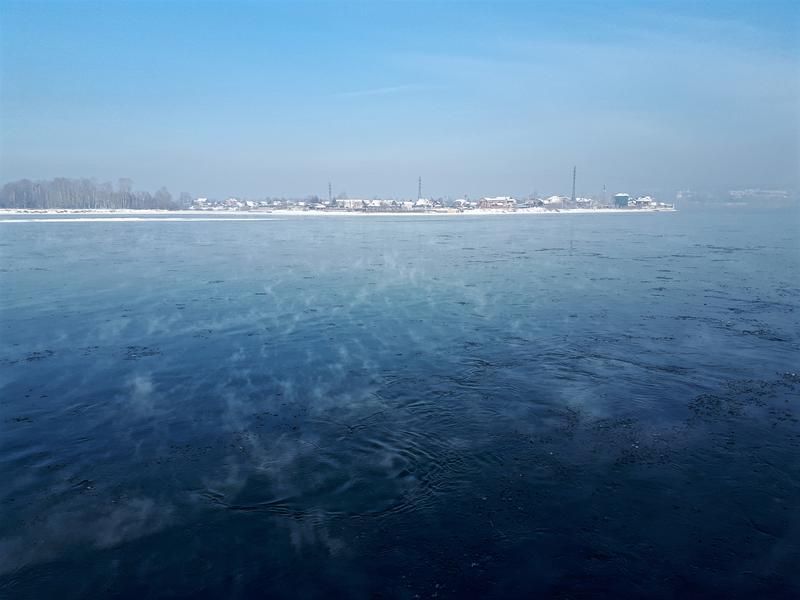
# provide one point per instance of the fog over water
(583, 405)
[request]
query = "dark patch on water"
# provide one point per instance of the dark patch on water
(38, 355)
(137, 352)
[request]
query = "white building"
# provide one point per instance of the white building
(350, 203)
(498, 202)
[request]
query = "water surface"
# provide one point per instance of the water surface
(570, 406)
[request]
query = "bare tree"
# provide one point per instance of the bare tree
(82, 193)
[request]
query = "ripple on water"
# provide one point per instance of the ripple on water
(352, 473)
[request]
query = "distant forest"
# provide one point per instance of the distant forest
(85, 193)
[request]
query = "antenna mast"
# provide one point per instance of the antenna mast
(574, 169)
(419, 189)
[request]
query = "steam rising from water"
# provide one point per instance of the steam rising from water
(347, 389)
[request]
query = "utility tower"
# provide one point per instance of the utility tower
(573, 185)
(330, 195)
(419, 189)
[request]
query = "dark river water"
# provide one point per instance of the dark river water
(408, 407)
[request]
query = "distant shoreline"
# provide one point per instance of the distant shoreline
(243, 214)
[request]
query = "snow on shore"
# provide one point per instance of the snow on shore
(72, 215)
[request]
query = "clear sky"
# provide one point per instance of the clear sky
(260, 98)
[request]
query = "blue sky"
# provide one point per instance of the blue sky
(263, 98)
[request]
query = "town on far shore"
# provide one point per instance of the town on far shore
(501, 204)
(88, 195)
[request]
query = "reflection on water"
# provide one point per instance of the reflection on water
(591, 405)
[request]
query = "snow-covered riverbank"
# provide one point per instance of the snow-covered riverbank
(120, 214)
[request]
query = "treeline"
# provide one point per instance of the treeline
(86, 194)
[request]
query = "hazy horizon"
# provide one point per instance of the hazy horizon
(279, 99)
